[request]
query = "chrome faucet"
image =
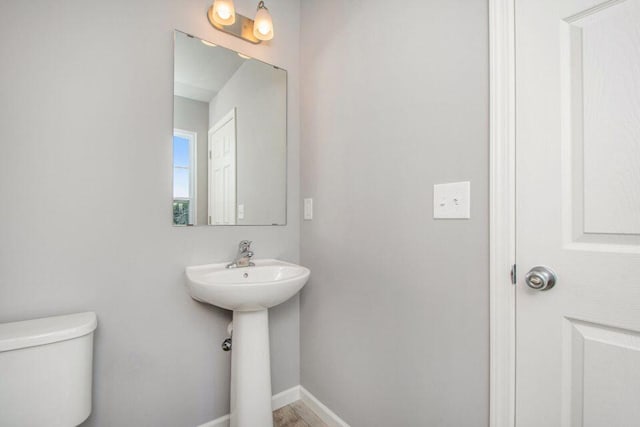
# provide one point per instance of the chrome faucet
(243, 259)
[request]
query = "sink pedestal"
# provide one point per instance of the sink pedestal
(251, 370)
(249, 292)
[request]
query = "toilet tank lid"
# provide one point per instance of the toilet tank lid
(29, 333)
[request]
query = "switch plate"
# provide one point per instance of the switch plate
(240, 211)
(452, 201)
(308, 209)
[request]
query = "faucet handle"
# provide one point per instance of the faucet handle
(244, 245)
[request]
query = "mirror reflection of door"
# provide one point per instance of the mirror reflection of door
(184, 182)
(222, 171)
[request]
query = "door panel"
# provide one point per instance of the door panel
(222, 171)
(604, 383)
(578, 212)
(601, 64)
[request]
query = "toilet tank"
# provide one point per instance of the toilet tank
(46, 370)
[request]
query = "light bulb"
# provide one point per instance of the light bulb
(208, 43)
(224, 12)
(263, 24)
(264, 28)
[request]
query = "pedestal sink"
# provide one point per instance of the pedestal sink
(249, 292)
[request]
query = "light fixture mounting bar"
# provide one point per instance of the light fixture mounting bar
(242, 28)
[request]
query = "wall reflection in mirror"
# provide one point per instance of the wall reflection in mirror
(229, 137)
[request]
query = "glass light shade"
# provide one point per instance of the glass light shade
(224, 12)
(263, 24)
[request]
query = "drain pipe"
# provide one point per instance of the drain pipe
(226, 344)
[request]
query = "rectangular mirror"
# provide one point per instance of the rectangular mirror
(229, 137)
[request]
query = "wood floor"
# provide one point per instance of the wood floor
(296, 414)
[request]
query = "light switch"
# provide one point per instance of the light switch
(452, 201)
(240, 211)
(308, 209)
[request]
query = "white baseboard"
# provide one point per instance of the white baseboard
(325, 414)
(224, 421)
(286, 397)
(278, 401)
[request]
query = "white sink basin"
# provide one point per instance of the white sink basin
(270, 282)
(249, 292)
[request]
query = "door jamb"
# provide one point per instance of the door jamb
(502, 213)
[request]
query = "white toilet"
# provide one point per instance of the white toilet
(46, 370)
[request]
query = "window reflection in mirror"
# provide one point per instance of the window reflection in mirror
(184, 143)
(229, 141)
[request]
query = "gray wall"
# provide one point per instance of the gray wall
(255, 90)
(192, 115)
(394, 322)
(85, 181)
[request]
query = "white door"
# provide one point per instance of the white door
(222, 171)
(578, 212)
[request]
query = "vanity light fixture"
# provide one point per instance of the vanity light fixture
(263, 24)
(222, 17)
(224, 12)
